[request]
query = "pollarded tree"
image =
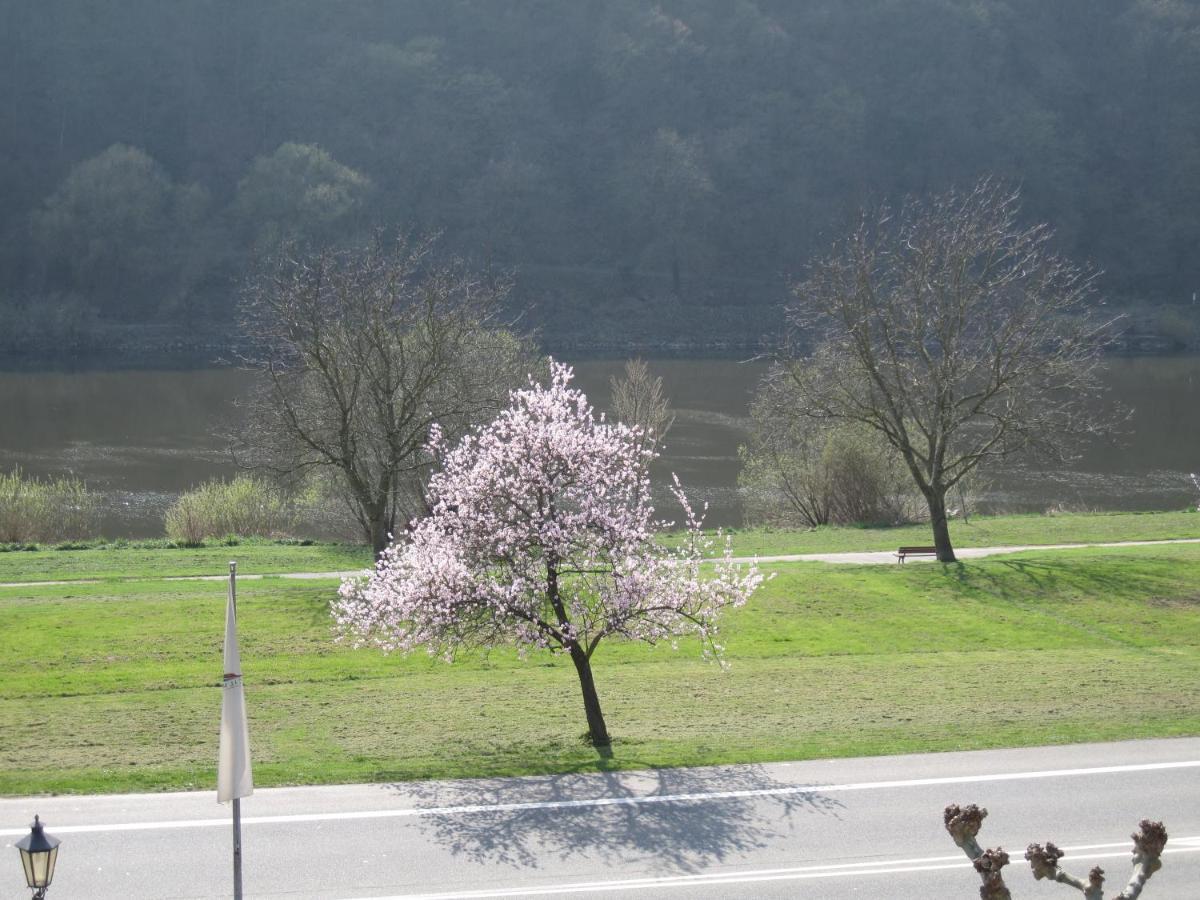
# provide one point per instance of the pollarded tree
(542, 534)
(956, 333)
(963, 824)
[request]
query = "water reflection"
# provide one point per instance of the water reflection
(143, 436)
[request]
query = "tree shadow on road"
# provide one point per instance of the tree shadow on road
(656, 816)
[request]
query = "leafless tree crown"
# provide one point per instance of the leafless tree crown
(361, 352)
(639, 400)
(955, 331)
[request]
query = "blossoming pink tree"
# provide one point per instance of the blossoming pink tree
(542, 535)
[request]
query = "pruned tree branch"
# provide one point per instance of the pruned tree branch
(1148, 843)
(964, 823)
(1044, 863)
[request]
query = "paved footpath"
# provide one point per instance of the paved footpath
(839, 828)
(879, 557)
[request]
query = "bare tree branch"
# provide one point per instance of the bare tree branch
(963, 824)
(360, 351)
(956, 333)
(638, 400)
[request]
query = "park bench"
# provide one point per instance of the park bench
(915, 551)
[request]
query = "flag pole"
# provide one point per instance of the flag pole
(234, 777)
(237, 849)
(237, 801)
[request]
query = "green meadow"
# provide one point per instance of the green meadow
(114, 685)
(156, 559)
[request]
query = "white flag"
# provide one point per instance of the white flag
(234, 779)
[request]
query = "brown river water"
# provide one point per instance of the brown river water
(140, 437)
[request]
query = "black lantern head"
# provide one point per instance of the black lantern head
(39, 853)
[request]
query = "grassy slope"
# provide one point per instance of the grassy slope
(258, 557)
(113, 686)
(114, 562)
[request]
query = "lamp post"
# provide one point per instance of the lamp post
(39, 853)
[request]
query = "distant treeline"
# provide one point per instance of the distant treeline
(654, 170)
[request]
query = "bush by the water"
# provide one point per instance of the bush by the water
(244, 506)
(798, 473)
(51, 509)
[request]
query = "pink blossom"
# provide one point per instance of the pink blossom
(542, 535)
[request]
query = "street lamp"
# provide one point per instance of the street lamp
(39, 853)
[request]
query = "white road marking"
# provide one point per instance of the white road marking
(473, 809)
(840, 870)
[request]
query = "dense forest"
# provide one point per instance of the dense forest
(649, 171)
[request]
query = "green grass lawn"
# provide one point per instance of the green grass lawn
(266, 557)
(117, 562)
(114, 686)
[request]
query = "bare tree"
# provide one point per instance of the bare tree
(956, 333)
(361, 351)
(963, 824)
(638, 400)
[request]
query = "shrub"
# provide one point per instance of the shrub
(48, 510)
(320, 501)
(797, 472)
(187, 520)
(868, 483)
(245, 506)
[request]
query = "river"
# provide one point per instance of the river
(140, 437)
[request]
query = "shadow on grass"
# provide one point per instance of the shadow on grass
(1046, 578)
(1053, 587)
(667, 817)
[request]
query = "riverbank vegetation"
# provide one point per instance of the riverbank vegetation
(45, 509)
(796, 473)
(115, 685)
(243, 506)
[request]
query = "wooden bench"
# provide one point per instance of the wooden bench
(915, 551)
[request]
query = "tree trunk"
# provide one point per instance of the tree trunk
(597, 730)
(941, 528)
(379, 534)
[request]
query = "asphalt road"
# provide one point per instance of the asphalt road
(868, 828)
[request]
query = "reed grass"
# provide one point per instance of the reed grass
(36, 509)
